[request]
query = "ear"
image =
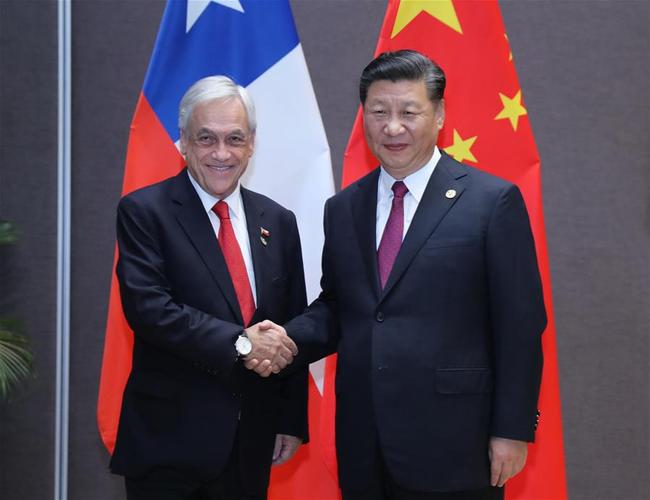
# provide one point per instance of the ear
(251, 145)
(440, 114)
(182, 143)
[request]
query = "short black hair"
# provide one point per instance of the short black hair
(404, 65)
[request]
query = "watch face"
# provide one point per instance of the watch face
(243, 346)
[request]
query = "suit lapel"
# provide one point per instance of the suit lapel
(195, 222)
(259, 251)
(364, 214)
(434, 205)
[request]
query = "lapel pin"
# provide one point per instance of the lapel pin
(264, 236)
(451, 193)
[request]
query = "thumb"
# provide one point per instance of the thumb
(278, 447)
(266, 324)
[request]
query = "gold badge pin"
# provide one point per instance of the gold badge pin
(451, 193)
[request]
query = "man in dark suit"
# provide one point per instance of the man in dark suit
(432, 298)
(200, 259)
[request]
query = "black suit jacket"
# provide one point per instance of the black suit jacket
(187, 395)
(449, 353)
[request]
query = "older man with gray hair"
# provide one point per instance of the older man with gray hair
(201, 261)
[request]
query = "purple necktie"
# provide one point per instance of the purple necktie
(391, 240)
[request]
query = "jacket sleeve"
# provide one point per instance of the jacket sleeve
(294, 411)
(148, 302)
(316, 331)
(517, 316)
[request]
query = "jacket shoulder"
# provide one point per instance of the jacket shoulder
(367, 181)
(265, 203)
(150, 193)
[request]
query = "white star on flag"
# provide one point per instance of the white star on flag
(196, 7)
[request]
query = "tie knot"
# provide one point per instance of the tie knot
(221, 209)
(399, 189)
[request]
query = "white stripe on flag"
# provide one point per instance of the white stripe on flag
(292, 159)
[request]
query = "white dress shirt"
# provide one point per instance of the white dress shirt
(238, 221)
(416, 184)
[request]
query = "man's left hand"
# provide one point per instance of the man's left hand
(507, 459)
(285, 447)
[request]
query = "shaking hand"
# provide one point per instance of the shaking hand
(272, 350)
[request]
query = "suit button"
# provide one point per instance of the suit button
(380, 316)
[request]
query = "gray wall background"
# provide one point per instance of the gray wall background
(585, 73)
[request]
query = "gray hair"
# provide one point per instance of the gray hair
(213, 88)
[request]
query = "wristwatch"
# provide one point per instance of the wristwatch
(243, 345)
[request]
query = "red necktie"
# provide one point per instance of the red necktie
(391, 240)
(235, 262)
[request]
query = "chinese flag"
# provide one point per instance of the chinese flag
(486, 126)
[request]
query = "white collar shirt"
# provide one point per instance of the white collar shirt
(238, 221)
(416, 183)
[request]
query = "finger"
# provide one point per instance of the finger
(291, 345)
(277, 448)
(251, 363)
(281, 362)
(504, 476)
(284, 353)
(495, 472)
(267, 324)
(263, 368)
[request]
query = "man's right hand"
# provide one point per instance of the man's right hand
(272, 350)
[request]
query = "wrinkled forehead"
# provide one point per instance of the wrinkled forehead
(219, 115)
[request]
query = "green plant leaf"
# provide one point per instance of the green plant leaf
(8, 233)
(15, 360)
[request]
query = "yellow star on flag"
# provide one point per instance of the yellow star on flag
(512, 109)
(460, 149)
(442, 10)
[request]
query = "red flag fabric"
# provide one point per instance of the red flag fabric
(486, 126)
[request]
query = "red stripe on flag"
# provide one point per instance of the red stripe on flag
(305, 476)
(151, 157)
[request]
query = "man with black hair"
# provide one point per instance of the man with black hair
(431, 296)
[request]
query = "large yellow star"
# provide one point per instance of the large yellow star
(512, 109)
(460, 149)
(442, 10)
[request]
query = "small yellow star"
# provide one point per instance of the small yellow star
(512, 109)
(460, 149)
(442, 10)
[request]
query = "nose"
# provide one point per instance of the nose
(393, 126)
(220, 152)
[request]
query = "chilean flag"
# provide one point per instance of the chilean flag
(256, 44)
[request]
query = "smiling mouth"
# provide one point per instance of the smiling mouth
(220, 168)
(395, 147)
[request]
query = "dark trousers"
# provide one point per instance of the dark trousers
(226, 486)
(383, 487)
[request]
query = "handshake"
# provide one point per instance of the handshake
(272, 349)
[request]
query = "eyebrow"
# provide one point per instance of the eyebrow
(204, 130)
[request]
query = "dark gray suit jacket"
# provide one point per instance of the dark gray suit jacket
(449, 353)
(187, 395)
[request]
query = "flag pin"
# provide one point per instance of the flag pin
(264, 235)
(451, 193)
